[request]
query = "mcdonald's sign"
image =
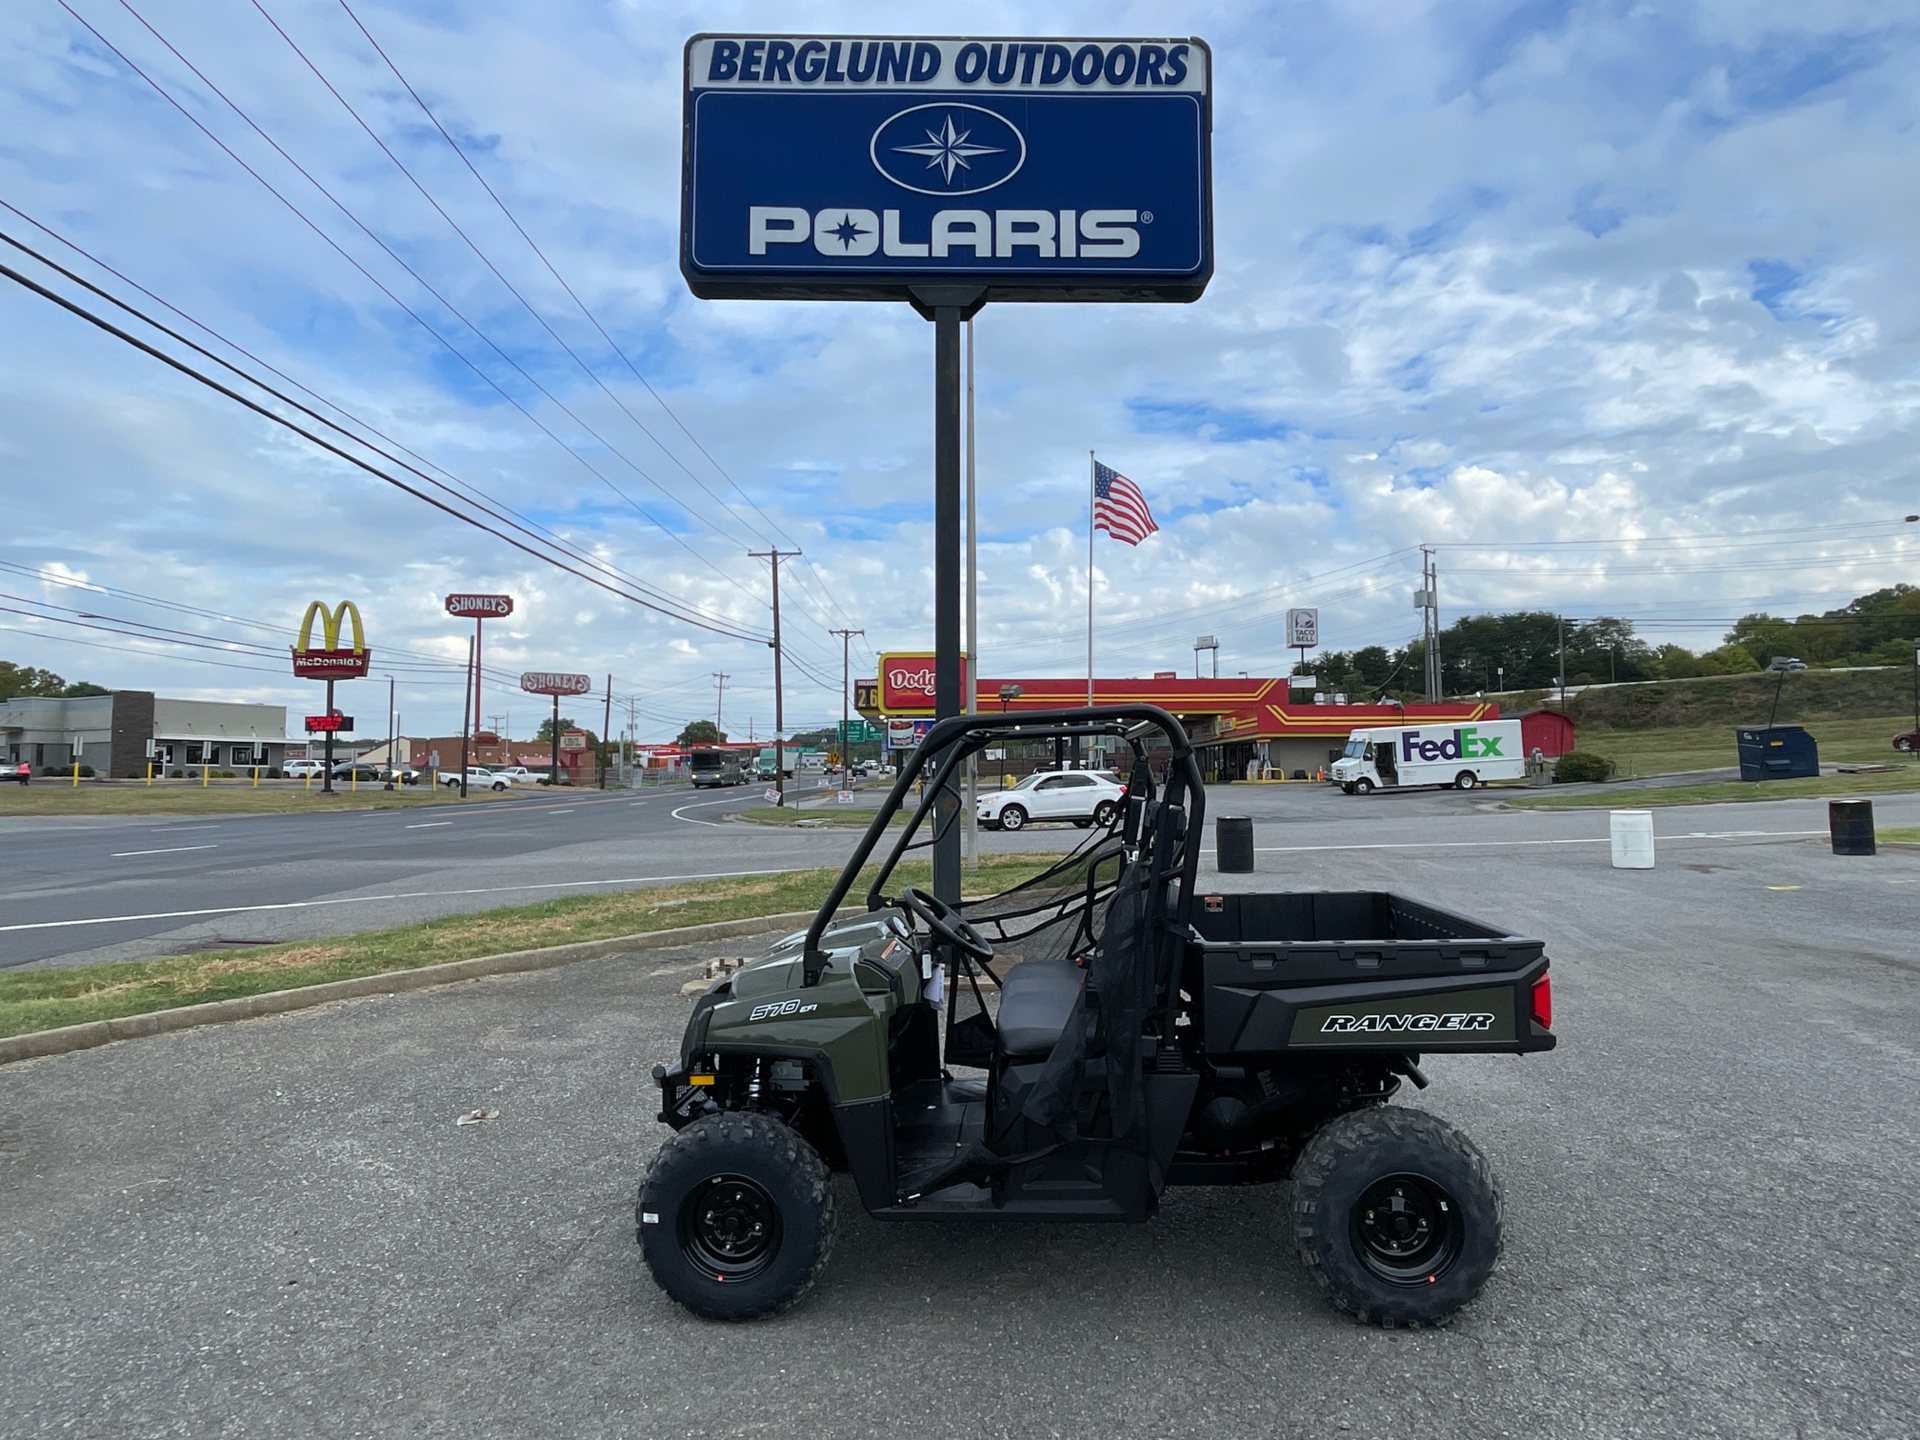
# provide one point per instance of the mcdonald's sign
(331, 661)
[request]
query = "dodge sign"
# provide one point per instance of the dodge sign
(855, 167)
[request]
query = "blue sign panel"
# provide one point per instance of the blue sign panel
(850, 168)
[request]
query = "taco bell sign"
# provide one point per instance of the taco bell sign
(857, 167)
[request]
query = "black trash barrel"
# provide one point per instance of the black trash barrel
(1233, 844)
(1850, 822)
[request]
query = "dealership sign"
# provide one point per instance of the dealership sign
(844, 167)
(484, 607)
(906, 682)
(550, 682)
(330, 660)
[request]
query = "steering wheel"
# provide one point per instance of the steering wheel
(945, 921)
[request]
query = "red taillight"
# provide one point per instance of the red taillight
(1543, 1002)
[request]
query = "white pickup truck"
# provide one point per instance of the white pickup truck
(1459, 756)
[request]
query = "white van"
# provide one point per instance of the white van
(1460, 756)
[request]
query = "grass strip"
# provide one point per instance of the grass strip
(1612, 797)
(70, 995)
(1670, 749)
(1900, 835)
(229, 797)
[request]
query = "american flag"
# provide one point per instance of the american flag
(1118, 506)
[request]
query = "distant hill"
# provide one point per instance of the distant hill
(1732, 700)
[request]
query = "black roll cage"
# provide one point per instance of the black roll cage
(947, 747)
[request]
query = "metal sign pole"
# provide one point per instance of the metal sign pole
(326, 783)
(946, 306)
(466, 721)
(556, 741)
(970, 680)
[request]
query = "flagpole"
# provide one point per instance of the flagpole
(1090, 505)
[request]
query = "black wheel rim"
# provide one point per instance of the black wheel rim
(1407, 1229)
(729, 1228)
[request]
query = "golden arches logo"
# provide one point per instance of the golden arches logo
(330, 626)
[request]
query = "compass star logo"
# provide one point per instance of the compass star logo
(947, 150)
(847, 231)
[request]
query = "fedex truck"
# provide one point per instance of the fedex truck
(1457, 755)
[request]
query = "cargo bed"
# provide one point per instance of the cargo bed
(1360, 970)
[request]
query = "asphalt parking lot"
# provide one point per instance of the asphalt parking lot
(276, 1228)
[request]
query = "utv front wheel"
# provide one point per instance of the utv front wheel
(1396, 1215)
(736, 1217)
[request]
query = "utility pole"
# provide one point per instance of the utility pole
(1563, 660)
(720, 678)
(846, 650)
(1427, 601)
(779, 713)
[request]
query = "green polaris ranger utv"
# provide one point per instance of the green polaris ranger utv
(1067, 1049)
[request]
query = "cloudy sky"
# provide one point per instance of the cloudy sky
(1616, 303)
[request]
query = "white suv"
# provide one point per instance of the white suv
(300, 769)
(1083, 796)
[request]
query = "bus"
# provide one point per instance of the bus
(715, 767)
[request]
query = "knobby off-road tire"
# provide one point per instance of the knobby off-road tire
(1396, 1215)
(736, 1217)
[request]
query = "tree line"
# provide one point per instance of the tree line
(19, 680)
(1521, 650)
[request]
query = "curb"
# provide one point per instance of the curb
(275, 1002)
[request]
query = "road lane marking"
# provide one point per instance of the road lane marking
(369, 899)
(560, 812)
(429, 824)
(702, 804)
(170, 850)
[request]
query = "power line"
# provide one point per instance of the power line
(477, 251)
(489, 504)
(592, 319)
(374, 470)
(418, 278)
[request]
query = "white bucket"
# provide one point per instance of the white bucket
(1632, 832)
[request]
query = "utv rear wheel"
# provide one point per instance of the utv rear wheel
(1013, 818)
(1396, 1215)
(736, 1217)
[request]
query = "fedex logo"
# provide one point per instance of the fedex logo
(1466, 743)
